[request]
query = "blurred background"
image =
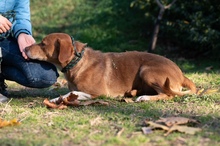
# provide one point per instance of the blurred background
(188, 29)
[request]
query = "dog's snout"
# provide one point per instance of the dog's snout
(26, 49)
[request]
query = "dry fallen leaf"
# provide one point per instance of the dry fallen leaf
(71, 100)
(71, 103)
(156, 125)
(49, 104)
(206, 91)
(209, 91)
(53, 105)
(171, 124)
(184, 129)
(170, 121)
(59, 101)
(4, 123)
(72, 97)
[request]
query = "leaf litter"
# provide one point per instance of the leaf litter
(168, 124)
(171, 124)
(203, 91)
(13, 122)
(72, 101)
(5, 123)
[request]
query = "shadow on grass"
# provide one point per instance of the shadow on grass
(31, 92)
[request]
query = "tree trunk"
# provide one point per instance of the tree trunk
(157, 24)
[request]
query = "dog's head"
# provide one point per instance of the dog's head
(56, 48)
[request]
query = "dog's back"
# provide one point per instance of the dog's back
(148, 76)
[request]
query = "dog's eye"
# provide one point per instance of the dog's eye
(42, 44)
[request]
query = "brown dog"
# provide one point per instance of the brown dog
(92, 73)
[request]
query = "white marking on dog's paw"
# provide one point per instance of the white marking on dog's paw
(54, 100)
(142, 98)
(82, 95)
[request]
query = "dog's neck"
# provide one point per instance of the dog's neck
(77, 57)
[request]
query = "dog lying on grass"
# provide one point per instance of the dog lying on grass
(91, 73)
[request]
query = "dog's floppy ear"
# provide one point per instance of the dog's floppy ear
(65, 50)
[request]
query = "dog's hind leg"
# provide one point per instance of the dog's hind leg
(154, 83)
(160, 96)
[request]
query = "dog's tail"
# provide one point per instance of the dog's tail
(187, 83)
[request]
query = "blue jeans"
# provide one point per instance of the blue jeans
(30, 73)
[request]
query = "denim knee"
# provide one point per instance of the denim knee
(41, 82)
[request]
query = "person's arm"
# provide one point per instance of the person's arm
(22, 20)
(22, 27)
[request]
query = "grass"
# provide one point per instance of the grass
(100, 125)
(107, 26)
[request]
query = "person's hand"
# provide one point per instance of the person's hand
(5, 24)
(25, 40)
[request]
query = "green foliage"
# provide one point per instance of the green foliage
(125, 25)
(191, 26)
(105, 25)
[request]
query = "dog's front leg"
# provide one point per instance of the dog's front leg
(81, 96)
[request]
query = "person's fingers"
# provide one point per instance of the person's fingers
(1, 31)
(9, 24)
(5, 25)
(2, 27)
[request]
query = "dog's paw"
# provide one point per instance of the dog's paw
(82, 95)
(142, 98)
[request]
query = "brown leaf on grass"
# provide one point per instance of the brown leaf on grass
(53, 105)
(72, 97)
(183, 129)
(71, 100)
(171, 124)
(206, 91)
(49, 104)
(170, 121)
(59, 101)
(4, 123)
(209, 91)
(157, 126)
(71, 103)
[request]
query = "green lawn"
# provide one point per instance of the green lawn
(120, 123)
